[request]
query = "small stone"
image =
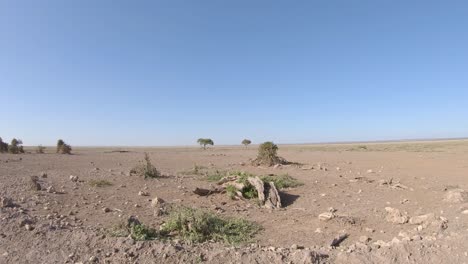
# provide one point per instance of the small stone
(465, 212)
(456, 196)
(294, 247)
(43, 175)
(326, 216)
(73, 178)
(28, 227)
(157, 202)
(370, 230)
(5, 202)
(143, 193)
(93, 259)
(395, 216)
(106, 210)
(51, 189)
(370, 171)
(364, 239)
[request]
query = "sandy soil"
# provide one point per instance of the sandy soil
(69, 225)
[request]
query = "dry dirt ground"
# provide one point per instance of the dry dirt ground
(398, 202)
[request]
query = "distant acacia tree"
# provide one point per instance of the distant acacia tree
(246, 142)
(205, 141)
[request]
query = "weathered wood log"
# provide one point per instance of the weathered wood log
(273, 196)
(259, 186)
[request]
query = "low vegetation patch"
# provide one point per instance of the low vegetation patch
(197, 225)
(146, 169)
(100, 183)
(282, 181)
(137, 231)
(196, 170)
(192, 225)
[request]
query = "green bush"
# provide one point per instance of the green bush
(197, 225)
(282, 181)
(267, 155)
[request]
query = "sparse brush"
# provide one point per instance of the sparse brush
(141, 232)
(100, 183)
(40, 149)
(146, 169)
(197, 225)
(196, 170)
(138, 231)
(282, 181)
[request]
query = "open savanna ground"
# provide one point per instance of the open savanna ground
(396, 202)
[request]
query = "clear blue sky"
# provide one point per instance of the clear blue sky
(168, 72)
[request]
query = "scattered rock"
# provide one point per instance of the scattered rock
(364, 239)
(456, 196)
(143, 193)
(326, 216)
(51, 189)
(421, 219)
(395, 216)
(28, 227)
(106, 210)
(73, 178)
(5, 202)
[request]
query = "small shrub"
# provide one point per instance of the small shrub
(40, 149)
(15, 146)
(63, 148)
(205, 141)
(282, 181)
(246, 142)
(197, 225)
(100, 183)
(146, 169)
(267, 155)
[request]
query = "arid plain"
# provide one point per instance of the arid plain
(401, 202)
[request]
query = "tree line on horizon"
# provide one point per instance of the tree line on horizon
(16, 147)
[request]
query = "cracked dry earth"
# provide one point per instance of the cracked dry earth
(395, 204)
